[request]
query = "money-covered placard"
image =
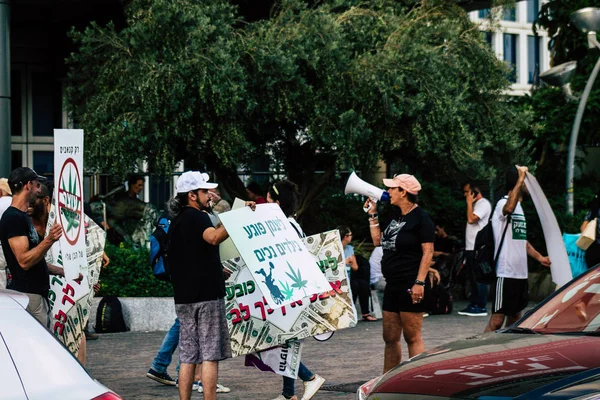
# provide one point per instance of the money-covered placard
(68, 190)
(254, 325)
(71, 300)
(278, 262)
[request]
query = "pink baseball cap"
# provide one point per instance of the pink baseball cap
(404, 181)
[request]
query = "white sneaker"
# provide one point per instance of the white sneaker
(220, 388)
(312, 387)
(197, 385)
(282, 397)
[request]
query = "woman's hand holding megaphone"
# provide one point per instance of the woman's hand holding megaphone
(369, 205)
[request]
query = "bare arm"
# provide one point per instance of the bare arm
(515, 194)
(56, 270)
(583, 225)
(27, 257)
(374, 227)
(533, 253)
(426, 259)
(351, 261)
(471, 218)
(216, 235)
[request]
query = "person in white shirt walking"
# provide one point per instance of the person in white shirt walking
(479, 210)
(511, 290)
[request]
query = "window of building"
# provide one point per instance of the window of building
(533, 59)
(16, 159)
(484, 13)
(43, 162)
(160, 191)
(509, 14)
(45, 104)
(16, 97)
(533, 7)
(510, 55)
(488, 37)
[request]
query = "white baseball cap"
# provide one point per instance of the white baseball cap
(193, 180)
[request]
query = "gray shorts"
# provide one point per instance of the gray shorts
(38, 307)
(203, 334)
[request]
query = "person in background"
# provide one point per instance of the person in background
(511, 293)
(407, 243)
(285, 194)
(592, 254)
(479, 210)
(358, 282)
(135, 185)
(5, 200)
(255, 193)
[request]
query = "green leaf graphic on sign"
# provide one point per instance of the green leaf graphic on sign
(287, 291)
(296, 277)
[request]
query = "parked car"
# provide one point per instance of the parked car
(553, 352)
(34, 365)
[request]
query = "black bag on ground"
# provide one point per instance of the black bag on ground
(440, 300)
(109, 318)
(485, 259)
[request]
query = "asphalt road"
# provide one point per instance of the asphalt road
(352, 356)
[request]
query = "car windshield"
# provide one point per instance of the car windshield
(576, 309)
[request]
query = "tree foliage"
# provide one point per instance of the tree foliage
(312, 88)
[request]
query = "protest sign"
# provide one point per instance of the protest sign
(227, 249)
(560, 268)
(278, 262)
(70, 300)
(255, 326)
(68, 168)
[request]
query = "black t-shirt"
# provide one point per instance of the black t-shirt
(195, 265)
(401, 242)
(36, 279)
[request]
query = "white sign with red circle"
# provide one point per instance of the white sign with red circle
(68, 189)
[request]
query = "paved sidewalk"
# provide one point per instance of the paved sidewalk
(352, 356)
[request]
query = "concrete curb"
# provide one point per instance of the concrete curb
(142, 314)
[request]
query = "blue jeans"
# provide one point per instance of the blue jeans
(167, 348)
(288, 383)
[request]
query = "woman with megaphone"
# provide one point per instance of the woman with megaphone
(407, 242)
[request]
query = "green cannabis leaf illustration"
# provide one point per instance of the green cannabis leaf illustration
(288, 292)
(296, 277)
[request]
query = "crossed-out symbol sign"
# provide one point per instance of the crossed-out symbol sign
(70, 201)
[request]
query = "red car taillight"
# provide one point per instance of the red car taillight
(108, 396)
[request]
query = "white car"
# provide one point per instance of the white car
(34, 365)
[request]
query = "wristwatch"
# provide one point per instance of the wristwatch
(418, 282)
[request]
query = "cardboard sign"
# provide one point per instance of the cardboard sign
(70, 300)
(254, 325)
(278, 262)
(68, 190)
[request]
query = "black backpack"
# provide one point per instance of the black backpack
(485, 258)
(109, 318)
(159, 240)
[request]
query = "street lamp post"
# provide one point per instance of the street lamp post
(587, 20)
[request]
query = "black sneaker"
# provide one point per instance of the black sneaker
(163, 378)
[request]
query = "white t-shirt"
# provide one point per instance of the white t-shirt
(512, 262)
(375, 262)
(482, 208)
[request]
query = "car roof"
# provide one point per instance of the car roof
(13, 299)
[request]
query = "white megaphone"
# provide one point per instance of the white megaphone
(357, 185)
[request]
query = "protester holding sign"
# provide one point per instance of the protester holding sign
(198, 282)
(285, 194)
(23, 249)
(407, 243)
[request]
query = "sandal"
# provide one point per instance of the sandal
(369, 318)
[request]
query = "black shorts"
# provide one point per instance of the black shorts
(510, 296)
(397, 299)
